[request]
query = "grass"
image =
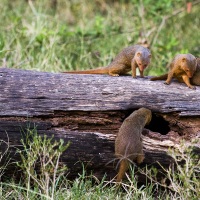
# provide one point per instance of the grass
(86, 34)
(44, 178)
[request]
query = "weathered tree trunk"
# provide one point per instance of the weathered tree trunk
(88, 110)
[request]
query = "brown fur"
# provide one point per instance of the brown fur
(195, 80)
(128, 144)
(128, 59)
(182, 68)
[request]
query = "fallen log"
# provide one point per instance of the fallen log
(88, 110)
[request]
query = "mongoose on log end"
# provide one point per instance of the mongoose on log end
(128, 143)
(182, 67)
(195, 80)
(128, 59)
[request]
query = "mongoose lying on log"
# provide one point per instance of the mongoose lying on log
(128, 144)
(129, 58)
(182, 67)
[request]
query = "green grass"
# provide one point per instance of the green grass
(44, 176)
(88, 34)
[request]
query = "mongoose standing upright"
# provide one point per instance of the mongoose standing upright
(128, 59)
(128, 144)
(182, 68)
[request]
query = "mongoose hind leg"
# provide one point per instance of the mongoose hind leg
(118, 69)
(140, 158)
(187, 82)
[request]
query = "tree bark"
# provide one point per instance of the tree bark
(88, 110)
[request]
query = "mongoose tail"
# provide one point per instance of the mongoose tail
(100, 70)
(123, 167)
(162, 77)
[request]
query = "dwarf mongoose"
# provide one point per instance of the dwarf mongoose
(128, 144)
(128, 59)
(182, 67)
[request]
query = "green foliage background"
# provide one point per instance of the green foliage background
(55, 36)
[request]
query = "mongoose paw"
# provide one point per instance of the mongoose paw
(192, 87)
(114, 74)
(166, 83)
(134, 77)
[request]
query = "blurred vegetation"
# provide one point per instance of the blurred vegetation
(60, 35)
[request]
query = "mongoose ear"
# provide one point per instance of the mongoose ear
(150, 56)
(183, 59)
(138, 54)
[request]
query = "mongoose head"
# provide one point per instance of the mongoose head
(143, 58)
(147, 113)
(189, 64)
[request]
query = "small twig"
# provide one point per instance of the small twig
(141, 15)
(21, 63)
(32, 7)
(4, 65)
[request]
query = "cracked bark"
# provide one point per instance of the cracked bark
(88, 110)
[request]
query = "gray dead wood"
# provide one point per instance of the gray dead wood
(88, 110)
